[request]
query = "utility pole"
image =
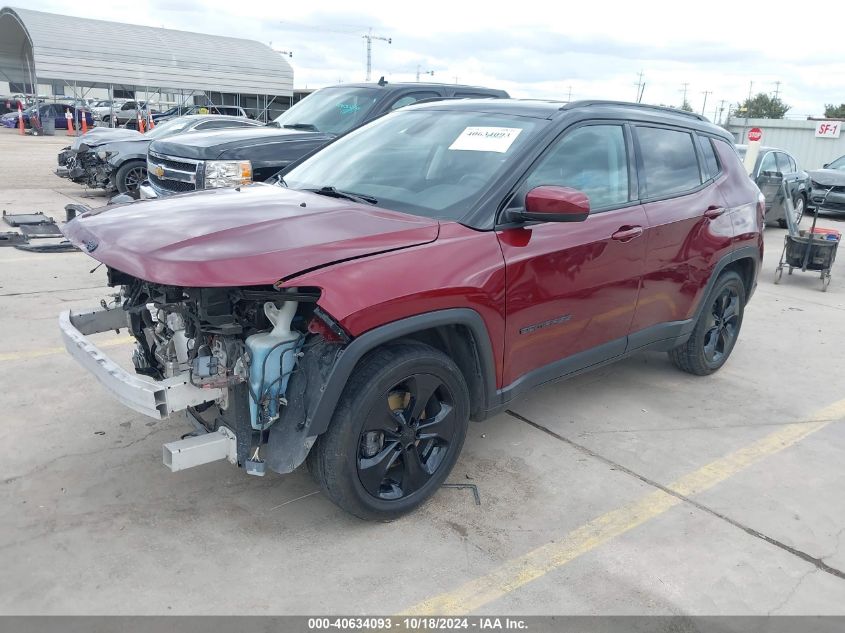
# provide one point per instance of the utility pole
(684, 90)
(777, 89)
(639, 86)
(704, 105)
(569, 98)
(370, 37)
(721, 109)
(424, 72)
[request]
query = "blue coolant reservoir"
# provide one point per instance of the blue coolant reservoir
(272, 359)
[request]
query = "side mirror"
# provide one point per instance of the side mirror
(550, 203)
(826, 165)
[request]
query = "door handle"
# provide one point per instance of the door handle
(627, 233)
(713, 212)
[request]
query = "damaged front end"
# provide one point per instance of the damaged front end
(90, 167)
(243, 362)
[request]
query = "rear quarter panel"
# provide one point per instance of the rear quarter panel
(741, 197)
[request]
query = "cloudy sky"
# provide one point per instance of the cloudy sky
(533, 49)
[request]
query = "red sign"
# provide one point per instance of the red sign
(755, 134)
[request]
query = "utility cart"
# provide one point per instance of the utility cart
(813, 250)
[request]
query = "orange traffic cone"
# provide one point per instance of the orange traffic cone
(151, 124)
(83, 120)
(69, 119)
(20, 118)
(140, 123)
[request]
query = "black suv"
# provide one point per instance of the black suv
(235, 157)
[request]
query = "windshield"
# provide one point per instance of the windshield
(334, 110)
(173, 126)
(425, 162)
(839, 163)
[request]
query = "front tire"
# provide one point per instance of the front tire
(716, 330)
(397, 432)
(130, 176)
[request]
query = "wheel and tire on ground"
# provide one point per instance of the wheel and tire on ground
(130, 176)
(396, 433)
(716, 330)
(800, 205)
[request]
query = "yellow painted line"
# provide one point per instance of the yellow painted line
(520, 571)
(49, 351)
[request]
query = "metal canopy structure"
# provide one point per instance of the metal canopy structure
(38, 47)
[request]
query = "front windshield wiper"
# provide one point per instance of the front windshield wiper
(346, 195)
(302, 126)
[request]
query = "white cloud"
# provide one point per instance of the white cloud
(531, 48)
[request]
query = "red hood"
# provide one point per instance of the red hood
(227, 237)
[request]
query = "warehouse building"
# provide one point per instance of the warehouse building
(52, 55)
(813, 142)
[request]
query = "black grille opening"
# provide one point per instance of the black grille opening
(176, 186)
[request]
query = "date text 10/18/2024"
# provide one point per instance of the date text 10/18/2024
(417, 624)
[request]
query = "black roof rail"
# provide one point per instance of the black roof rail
(598, 102)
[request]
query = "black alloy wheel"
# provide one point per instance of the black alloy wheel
(405, 437)
(723, 325)
(396, 432)
(130, 176)
(716, 330)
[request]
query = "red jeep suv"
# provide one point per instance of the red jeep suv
(419, 272)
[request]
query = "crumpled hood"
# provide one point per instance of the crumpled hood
(99, 136)
(828, 177)
(229, 237)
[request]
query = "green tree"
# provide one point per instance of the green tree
(762, 107)
(686, 106)
(834, 111)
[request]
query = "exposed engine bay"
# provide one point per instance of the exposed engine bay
(90, 168)
(247, 344)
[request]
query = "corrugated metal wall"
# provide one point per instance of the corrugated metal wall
(96, 52)
(796, 137)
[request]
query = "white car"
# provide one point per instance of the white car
(127, 111)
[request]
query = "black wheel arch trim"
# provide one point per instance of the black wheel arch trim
(318, 421)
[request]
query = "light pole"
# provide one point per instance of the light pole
(370, 37)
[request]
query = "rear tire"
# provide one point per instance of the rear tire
(397, 432)
(800, 205)
(716, 330)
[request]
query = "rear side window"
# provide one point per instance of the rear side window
(591, 159)
(711, 164)
(670, 163)
(413, 98)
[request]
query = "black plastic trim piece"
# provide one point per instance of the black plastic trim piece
(318, 420)
(558, 370)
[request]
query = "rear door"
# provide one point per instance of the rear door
(572, 287)
(689, 228)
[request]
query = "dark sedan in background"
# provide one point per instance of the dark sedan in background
(55, 111)
(827, 187)
(775, 166)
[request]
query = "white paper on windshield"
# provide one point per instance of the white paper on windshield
(486, 139)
